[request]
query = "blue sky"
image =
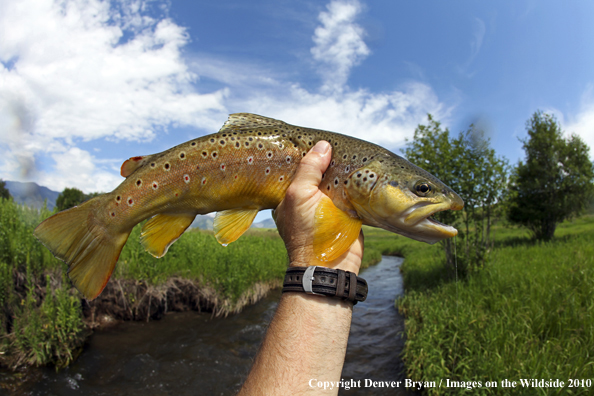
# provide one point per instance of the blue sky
(86, 84)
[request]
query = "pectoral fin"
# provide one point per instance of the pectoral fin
(162, 230)
(231, 224)
(335, 231)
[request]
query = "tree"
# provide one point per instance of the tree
(69, 198)
(554, 182)
(470, 167)
(4, 193)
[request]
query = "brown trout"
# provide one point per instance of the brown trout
(244, 168)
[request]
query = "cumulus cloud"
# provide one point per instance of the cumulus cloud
(582, 124)
(339, 43)
(89, 69)
(95, 69)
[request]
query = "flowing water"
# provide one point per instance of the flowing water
(194, 354)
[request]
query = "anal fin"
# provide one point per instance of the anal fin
(335, 231)
(229, 225)
(162, 230)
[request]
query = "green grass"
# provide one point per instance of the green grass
(528, 314)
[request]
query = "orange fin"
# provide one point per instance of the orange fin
(162, 230)
(231, 224)
(249, 121)
(131, 164)
(77, 237)
(335, 231)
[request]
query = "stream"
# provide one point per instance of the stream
(194, 354)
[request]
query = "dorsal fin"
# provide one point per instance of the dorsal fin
(247, 120)
(131, 164)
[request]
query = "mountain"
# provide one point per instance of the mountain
(32, 194)
(268, 223)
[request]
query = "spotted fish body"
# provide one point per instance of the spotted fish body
(244, 168)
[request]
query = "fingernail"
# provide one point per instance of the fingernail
(321, 147)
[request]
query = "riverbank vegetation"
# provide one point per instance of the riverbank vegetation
(44, 320)
(529, 313)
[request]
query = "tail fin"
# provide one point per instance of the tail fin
(80, 239)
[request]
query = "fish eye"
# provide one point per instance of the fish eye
(422, 189)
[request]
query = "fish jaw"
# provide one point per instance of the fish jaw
(400, 211)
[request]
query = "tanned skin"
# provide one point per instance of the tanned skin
(308, 335)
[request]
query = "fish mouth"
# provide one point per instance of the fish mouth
(429, 230)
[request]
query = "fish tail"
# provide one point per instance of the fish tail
(82, 240)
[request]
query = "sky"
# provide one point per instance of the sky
(86, 84)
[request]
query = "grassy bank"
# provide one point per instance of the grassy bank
(528, 314)
(44, 320)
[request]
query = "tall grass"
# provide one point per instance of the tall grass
(528, 314)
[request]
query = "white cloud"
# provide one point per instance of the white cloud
(339, 43)
(89, 69)
(582, 124)
(93, 70)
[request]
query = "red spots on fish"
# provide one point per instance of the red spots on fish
(155, 185)
(130, 202)
(186, 179)
(112, 214)
(250, 160)
(282, 178)
(235, 177)
(269, 154)
(267, 171)
(288, 159)
(203, 180)
(222, 167)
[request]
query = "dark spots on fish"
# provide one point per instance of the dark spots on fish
(224, 135)
(182, 155)
(358, 174)
(364, 179)
(335, 144)
(344, 156)
(237, 144)
(328, 187)
(371, 176)
(400, 167)
(247, 144)
(288, 159)
(284, 135)
(153, 165)
(166, 166)
(155, 185)
(280, 146)
(222, 142)
(336, 182)
(347, 169)
(346, 182)
(118, 199)
(250, 139)
(366, 170)
(205, 154)
(193, 143)
(304, 153)
(138, 183)
(323, 176)
(235, 133)
(276, 130)
(269, 154)
(112, 214)
(212, 140)
(267, 171)
(232, 139)
(259, 133)
(355, 156)
(299, 137)
(309, 143)
(260, 146)
(332, 163)
(295, 144)
(365, 159)
(215, 154)
(393, 183)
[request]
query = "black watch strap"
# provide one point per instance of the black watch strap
(326, 282)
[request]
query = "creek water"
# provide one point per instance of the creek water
(195, 354)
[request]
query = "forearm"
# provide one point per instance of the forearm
(305, 341)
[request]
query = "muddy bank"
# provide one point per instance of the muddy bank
(137, 300)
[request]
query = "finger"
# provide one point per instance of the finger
(312, 166)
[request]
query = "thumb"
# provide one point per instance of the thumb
(312, 166)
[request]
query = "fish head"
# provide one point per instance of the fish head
(400, 197)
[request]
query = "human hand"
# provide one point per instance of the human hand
(295, 220)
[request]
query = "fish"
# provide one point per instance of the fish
(242, 169)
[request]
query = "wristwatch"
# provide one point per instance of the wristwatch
(324, 281)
